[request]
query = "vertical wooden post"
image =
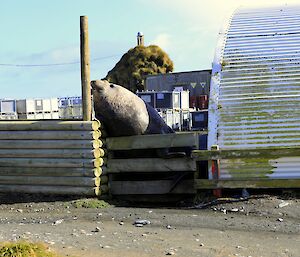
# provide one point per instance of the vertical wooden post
(85, 69)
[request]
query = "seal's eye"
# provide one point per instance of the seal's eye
(112, 85)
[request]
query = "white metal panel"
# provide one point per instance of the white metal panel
(255, 90)
(7, 106)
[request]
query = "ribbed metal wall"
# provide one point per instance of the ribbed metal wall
(255, 90)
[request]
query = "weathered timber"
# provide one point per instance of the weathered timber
(153, 141)
(151, 187)
(50, 181)
(50, 144)
(103, 179)
(52, 135)
(52, 172)
(29, 125)
(260, 183)
(103, 189)
(274, 152)
(98, 171)
(150, 165)
(54, 190)
(85, 69)
(47, 162)
(52, 153)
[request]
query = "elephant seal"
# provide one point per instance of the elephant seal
(124, 113)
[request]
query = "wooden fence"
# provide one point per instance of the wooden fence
(133, 175)
(145, 173)
(52, 157)
(74, 157)
(241, 155)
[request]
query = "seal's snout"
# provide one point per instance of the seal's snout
(99, 85)
(93, 84)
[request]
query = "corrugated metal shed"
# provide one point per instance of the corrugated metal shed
(255, 90)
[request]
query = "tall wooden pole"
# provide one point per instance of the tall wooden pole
(85, 69)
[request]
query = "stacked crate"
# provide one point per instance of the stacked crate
(37, 109)
(172, 106)
(8, 109)
(70, 107)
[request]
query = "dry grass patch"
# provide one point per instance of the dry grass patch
(25, 249)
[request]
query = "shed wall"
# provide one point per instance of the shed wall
(255, 90)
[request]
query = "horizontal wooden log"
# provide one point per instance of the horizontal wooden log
(103, 180)
(52, 172)
(261, 183)
(50, 144)
(54, 190)
(190, 139)
(273, 152)
(49, 125)
(50, 135)
(50, 181)
(99, 171)
(151, 187)
(150, 165)
(102, 190)
(52, 153)
(51, 163)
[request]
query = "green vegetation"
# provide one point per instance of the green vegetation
(90, 203)
(25, 249)
(138, 62)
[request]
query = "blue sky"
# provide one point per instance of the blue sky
(47, 32)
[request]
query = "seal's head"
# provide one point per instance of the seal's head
(119, 108)
(100, 85)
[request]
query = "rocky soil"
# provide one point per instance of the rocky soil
(263, 225)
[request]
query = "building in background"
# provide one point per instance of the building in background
(140, 39)
(197, 83)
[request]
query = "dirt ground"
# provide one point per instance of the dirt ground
(263, 225)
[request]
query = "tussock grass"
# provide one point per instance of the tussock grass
(136, 64)
(25, 249)
(90, 203)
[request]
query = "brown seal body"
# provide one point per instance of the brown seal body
(124, 113)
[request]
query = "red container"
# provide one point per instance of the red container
(193, 102)
(202, 102)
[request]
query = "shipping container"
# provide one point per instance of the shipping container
(167, 100)
(172, 100)
(38, 108)
(172, 118)
(184, 100)
(70, 112)
(199, 120)
(25, 106)
(70, 107)
(69, 101)
(7, 106)
(202, 102)
(193, 102)
(148, 97)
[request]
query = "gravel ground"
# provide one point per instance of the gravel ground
(260, 226)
